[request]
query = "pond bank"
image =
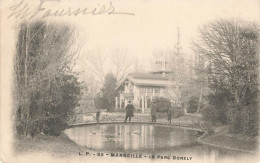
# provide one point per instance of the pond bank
(222, 140)
(60, 146)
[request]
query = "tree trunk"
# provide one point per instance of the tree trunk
(200, 97)
(26, 105)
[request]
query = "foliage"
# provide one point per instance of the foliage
(209, 113)
(250, 120)
(161, 104)
(193, 104)
(218, 103)
(230, 49)
(109, 92)
(178, 112)
(45, 88)
(100, 102)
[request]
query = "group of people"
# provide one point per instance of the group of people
(130, 112)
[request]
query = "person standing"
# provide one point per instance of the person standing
(98, 115)
(169, 115)
(170, 111)
(153, 112)
(129, 111)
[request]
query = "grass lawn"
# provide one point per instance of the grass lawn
(57, 146)
(220, 138)
(231, 142)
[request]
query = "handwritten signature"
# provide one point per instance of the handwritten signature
(22, 10)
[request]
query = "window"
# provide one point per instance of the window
(149, 90)
(142, 90)
(131, 89)
(165, 91)
(157, 90)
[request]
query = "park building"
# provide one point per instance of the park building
(142, 88)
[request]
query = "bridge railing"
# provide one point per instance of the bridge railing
(115, 117)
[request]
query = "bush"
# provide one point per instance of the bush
(245, 121)
(100, 102)
(250, 121)
(54, 127)
(161, 104)
(235, 126)
(178, 112)
(193, 105)
(219, 101)
(209, 113)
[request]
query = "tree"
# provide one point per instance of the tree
(200, 80)
(109, 91)
(178, 68)
(95, 61)
(122, 63)
(44, 81)
(230, 48)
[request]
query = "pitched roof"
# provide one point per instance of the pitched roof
(147, 76)
(147, 79)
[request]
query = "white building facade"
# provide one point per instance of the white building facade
(142, 88)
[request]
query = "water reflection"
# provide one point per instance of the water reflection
(145, 138)
(129, 137)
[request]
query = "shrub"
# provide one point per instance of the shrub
(209, 113)
(193, 105)
(54, 127)
(178, 112)
(245, 121)
(250, 120)
(220, 103)
(101, 102)
(235, 126)
(161, 104)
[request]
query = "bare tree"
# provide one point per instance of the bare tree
(229, 47)
(95, 62)
(122, 63)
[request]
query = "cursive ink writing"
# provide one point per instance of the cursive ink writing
(22, 10)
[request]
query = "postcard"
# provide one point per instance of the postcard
(129, 81)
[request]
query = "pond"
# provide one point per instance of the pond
(143, 138)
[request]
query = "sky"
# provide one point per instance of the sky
(152, 29)
(154, 26)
